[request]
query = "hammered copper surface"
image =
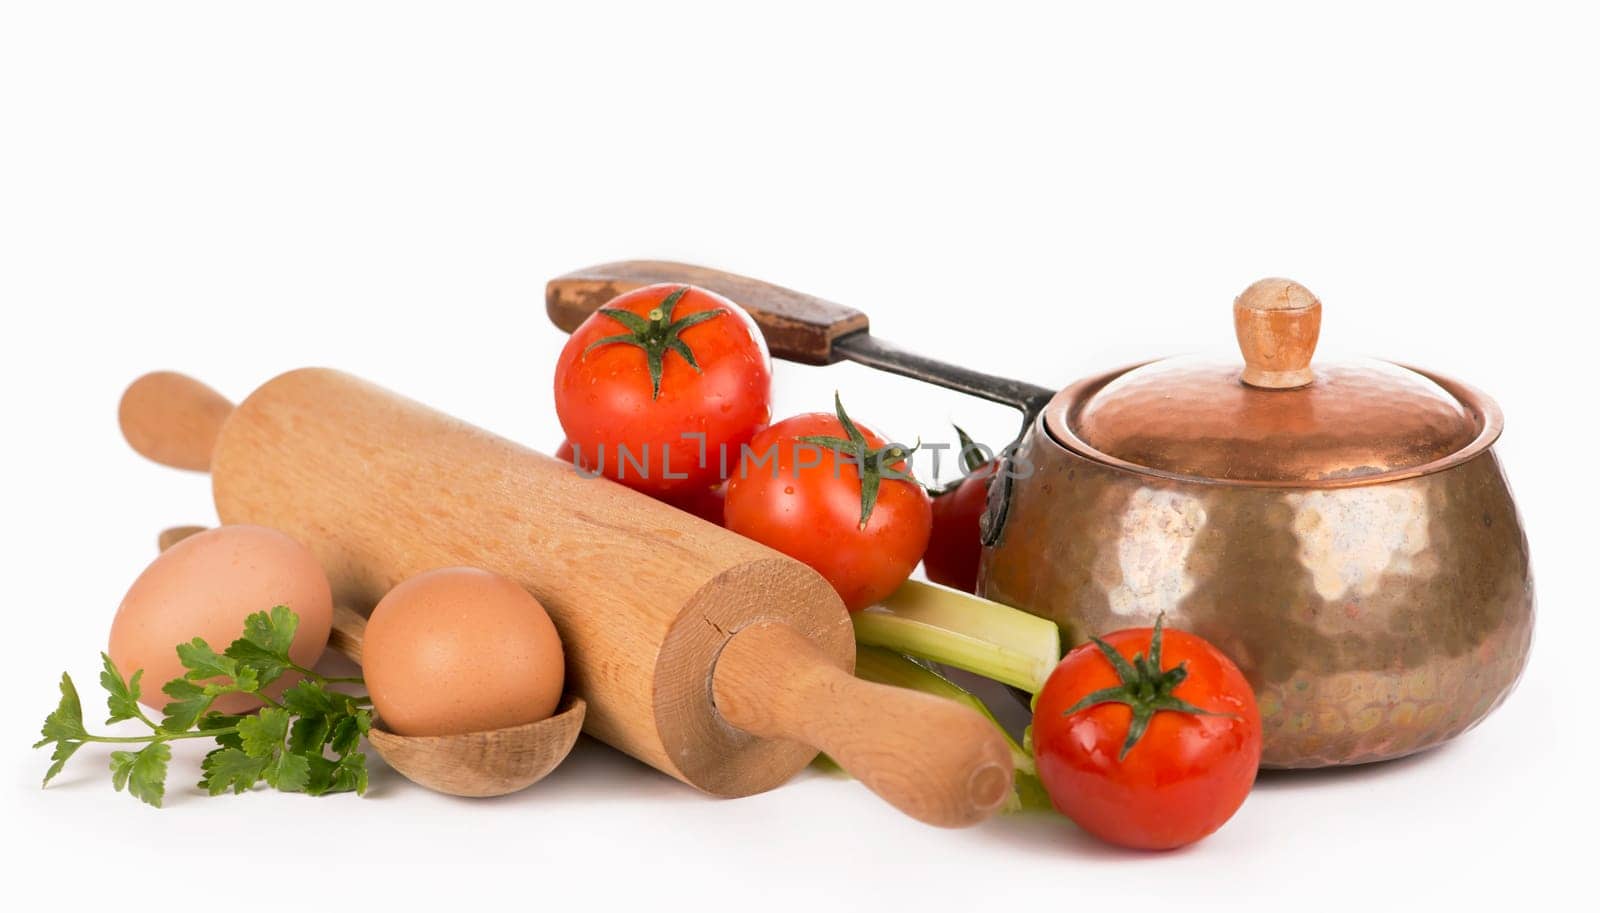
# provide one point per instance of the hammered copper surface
(1373, 620)
(1194, 417)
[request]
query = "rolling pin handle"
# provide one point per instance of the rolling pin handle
(173, 419)
(936, 760)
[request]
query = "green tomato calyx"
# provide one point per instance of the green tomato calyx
(1146, 688)
(872, 465)
(656, 334)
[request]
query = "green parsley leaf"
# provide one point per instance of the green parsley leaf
(263, 734)
(63, 751)
(143, 772)
(290, 773)
(122, 696)
(265, 644)
(230, 768)
(272, 631)
(309, 734)
(322, 773)
(189, 701)
(352, 774)
(348, 774)
(262, 663)
(347, 732)
(308, 698)
(213, 721)
(203, 663)
(246, 681)
(65, 723)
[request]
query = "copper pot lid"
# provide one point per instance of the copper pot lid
(1277, 418)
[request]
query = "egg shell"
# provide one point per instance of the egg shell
(460, 650)
(205, 586)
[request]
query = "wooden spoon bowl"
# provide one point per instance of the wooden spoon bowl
(482, 764)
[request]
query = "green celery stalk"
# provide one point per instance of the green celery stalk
(875, 664)
(968, 632)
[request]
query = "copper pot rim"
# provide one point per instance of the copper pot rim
(1484, 410)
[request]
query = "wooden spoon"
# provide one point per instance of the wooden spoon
(473, 764)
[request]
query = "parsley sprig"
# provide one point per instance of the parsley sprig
(305, 741)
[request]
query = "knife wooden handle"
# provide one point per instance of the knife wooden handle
(934, 759)
(797, 327)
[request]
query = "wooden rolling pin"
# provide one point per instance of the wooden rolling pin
(706, 655)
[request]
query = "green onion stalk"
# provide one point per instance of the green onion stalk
(968, 632)
(923, 623)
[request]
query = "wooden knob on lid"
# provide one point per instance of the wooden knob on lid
(1277, 322)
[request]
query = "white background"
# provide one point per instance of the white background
(235, 190)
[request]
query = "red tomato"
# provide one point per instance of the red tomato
(956, 546)
(807, 502)
(646, 376)
(707, 504)
(1187, 773)
(704, 503)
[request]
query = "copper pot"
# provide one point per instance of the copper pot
(1343, 530)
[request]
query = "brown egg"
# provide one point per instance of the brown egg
(205, 587)
(461, 650)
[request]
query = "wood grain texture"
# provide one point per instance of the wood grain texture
(1277, 322)
(479, 765)
(797, 327)
(172, 419)
(644, 596)
(934, 759)
(346, 635)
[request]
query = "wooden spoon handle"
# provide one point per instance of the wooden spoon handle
(173, 419)
(797, 326)
(349, 629)
(933, 759)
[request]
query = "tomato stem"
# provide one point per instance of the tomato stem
(976, 460)
(656, 334)
(871, 465)
(1146, 688)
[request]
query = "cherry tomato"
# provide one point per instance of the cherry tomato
(800, 491)
(708, 504)
(657, 385)
(703, 503)
(1154, 751)
(956, 547)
